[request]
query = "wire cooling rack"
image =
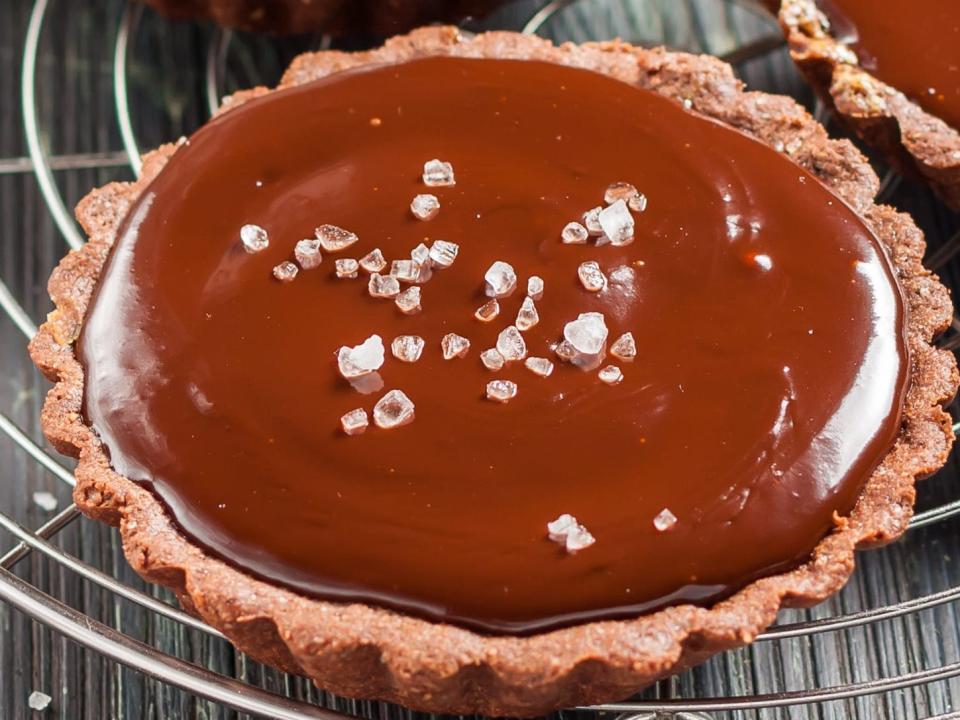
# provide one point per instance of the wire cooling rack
(100, 81)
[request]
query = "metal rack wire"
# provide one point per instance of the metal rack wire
(122, 648)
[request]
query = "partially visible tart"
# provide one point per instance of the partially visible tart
(335, 365)
(891, 71)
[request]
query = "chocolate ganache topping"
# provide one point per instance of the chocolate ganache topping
(915, 48)
(767, 382)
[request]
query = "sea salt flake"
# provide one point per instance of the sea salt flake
(454, 346)
(591, 276)
(587, 334)
(355, 421)
(254, 238)
(373, 261)
(500, 279)
(501, 390)
(38, 701)
(535, 287)
(488, 311)
(334, 239)
(574, 233)
(409, 271)
(407, 347)
(393, 410)
(619, 191)
(511, 345)
(492, 359)
(611, 375)
(578, 539)
(437, 173)
(591, 221)
(617, 223)
(664, 520)
(528, 316)
(307, 253)
(559, 529)
(443, 253)
(286, 271)
(409, 300)
(45, 501)
(383, 286)
(425, 206)
(624, 347)
(347, 268)
(637, 203)
(539, 366)
(565, 351)
(420, 255)
(362, 359)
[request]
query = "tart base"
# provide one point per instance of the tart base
(911, 139)
(370, 652)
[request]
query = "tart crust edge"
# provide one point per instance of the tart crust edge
(369, 652)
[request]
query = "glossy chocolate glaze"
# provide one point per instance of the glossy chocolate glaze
(765, 391)
(914, 47)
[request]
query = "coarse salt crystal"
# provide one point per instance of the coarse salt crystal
(361, 359)
(591, 277)
(539, 366)
(500, 279)
(254, 238)
(420, 254)
(347, 268)
(664, 520)
(373, 261)
(437, 173)
(307, 253)
(535, 287)
(425, 206)
(624, 347)
(574, 233)
(393, 410)
(611, 375)
(566, 531)
(286, 271)
(409, 300)
(528, 316)
(565, 351)
(354, 422)
(38, 701)
(511, 345)
(617, 223)
(587, 334)
(45, 501)
(501, 390)
(619, 191)
(408, 271)
(492, 359)
(454, 345)
(334, 239)
(383, 286)
(591, 221)
(407, 347)
(443, 253)
(488, 311)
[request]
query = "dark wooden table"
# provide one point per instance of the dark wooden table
(78, 127)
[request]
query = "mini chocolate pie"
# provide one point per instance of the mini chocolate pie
(892, 74)
(486, 376)
(380, 17)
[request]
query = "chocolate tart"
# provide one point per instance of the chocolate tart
(891, 74)
(447, 595)
(335, 17)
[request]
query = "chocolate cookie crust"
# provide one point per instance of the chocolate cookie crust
(370, 652)
(910, 138)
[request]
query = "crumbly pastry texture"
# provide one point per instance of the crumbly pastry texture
(910, 138)
(371, 652)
